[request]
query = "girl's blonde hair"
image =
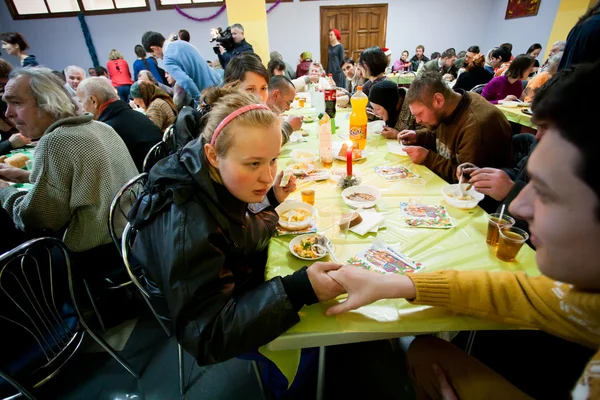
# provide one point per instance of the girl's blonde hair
(223, 101)
(115, 55)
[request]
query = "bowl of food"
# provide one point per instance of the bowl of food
(295, 215)
(361, 196)
(300, 169)
(309, 247)
(375, 126)
(303, 156)
(465, 199)
(308, 119)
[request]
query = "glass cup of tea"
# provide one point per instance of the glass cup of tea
(302, 102)
(327, 161)
(308, 196)
(494, 225)
(510, 242)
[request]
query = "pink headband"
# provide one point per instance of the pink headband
(234, 114)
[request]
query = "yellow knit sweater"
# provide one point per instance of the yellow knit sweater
(531, 302)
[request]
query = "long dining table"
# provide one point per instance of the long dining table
(462, 247)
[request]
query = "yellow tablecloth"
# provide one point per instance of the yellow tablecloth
(403, 79)
(462, 247)
(514, 114)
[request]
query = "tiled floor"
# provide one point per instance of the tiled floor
(360, 369)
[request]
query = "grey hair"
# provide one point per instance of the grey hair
(74, 68)
(561, 44)
(239, 26)
(99, 87)
(554, 60)
(48, 91)
(149, 75)
(275, 55)
(317, 64)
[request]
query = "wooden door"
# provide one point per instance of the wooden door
(360, 26)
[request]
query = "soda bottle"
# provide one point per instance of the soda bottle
(358, 119)
(332, 84)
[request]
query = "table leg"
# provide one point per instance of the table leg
(321, 374)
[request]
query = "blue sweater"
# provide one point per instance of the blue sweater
(139, 65)
(189, 69)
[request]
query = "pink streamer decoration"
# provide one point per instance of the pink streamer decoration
(215, 15)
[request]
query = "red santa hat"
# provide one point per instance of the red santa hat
(387, 51)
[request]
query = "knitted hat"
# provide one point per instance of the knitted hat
(307, 55)
(386, 51)
(386, 94)
(337, 34)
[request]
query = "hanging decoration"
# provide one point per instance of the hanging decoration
(88, 39)
(215, 15)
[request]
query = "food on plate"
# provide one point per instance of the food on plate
(361, 197)
(285, 179)
(300, 167)
(308, 119)
(17, 160)
(303, 132)
(355, 218)
(311, 247)
(461, 197)
(356, 153)
(295, 215)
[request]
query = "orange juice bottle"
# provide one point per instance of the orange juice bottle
(358, 119)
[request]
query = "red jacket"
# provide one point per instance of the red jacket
(302, 68)
(118, 71)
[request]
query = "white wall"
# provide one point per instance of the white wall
(521, 32)
(293, 28)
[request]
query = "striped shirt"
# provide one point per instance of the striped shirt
(161, 113)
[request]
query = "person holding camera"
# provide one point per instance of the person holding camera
(239, 45)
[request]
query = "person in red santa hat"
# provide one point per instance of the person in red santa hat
(388, 54)
(335, 58)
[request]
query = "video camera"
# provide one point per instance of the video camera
(222, 37)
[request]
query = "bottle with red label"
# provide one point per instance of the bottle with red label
(359, 119)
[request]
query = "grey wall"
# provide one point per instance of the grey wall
(293, 28)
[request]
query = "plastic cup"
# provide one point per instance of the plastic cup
(418, 185)
(302, 102)
(327, 161)
(510, 242)
(341, 223)
(308, 196)
(494, 225)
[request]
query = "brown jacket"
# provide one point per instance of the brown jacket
(476, 132)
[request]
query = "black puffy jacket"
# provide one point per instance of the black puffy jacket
(207, 252)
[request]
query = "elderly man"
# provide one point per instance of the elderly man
(444, 65)
(240, 46)
(460, 127)
(79, 165)
(99, 98)
(10, 137)
(281, 97)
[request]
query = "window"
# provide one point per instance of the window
(168, 4)
(30, 9)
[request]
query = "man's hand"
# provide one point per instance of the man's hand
(3, 184)
(324, 286)
(17, 141)
(281, 193)
(446, 390)
(389, 133)
(295, 122)
(365, 287)
(407, 137)
(13, 174)
(448, 77)
(492, 182)
(417, 154)
(510, 97)
(465, 169)
(222, 49)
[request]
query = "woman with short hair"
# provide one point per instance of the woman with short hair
(373, 62)
(509, 87)
(118, 72)
(475, 74)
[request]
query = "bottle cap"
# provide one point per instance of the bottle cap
(359, 88)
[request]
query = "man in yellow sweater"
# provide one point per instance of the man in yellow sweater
(561, 203)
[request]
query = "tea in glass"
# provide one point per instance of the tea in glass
(494, 224)
(327, 161)
(510, 242)
(308, 196)
(302, 102)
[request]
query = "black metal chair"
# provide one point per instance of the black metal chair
(42, 325)
(156, 153)
(478, 89)
(169, 138)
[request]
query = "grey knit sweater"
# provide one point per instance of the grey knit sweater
(79, 166)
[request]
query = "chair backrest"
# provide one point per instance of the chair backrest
(156, 153)
(126, 242)
(38, 315)
(478, 89)
(121, 204)
(169, 138)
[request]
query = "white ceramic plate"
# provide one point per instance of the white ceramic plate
(300, 169)
(361, 189)
(336, 150)
(297, 240)
(295, 205)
